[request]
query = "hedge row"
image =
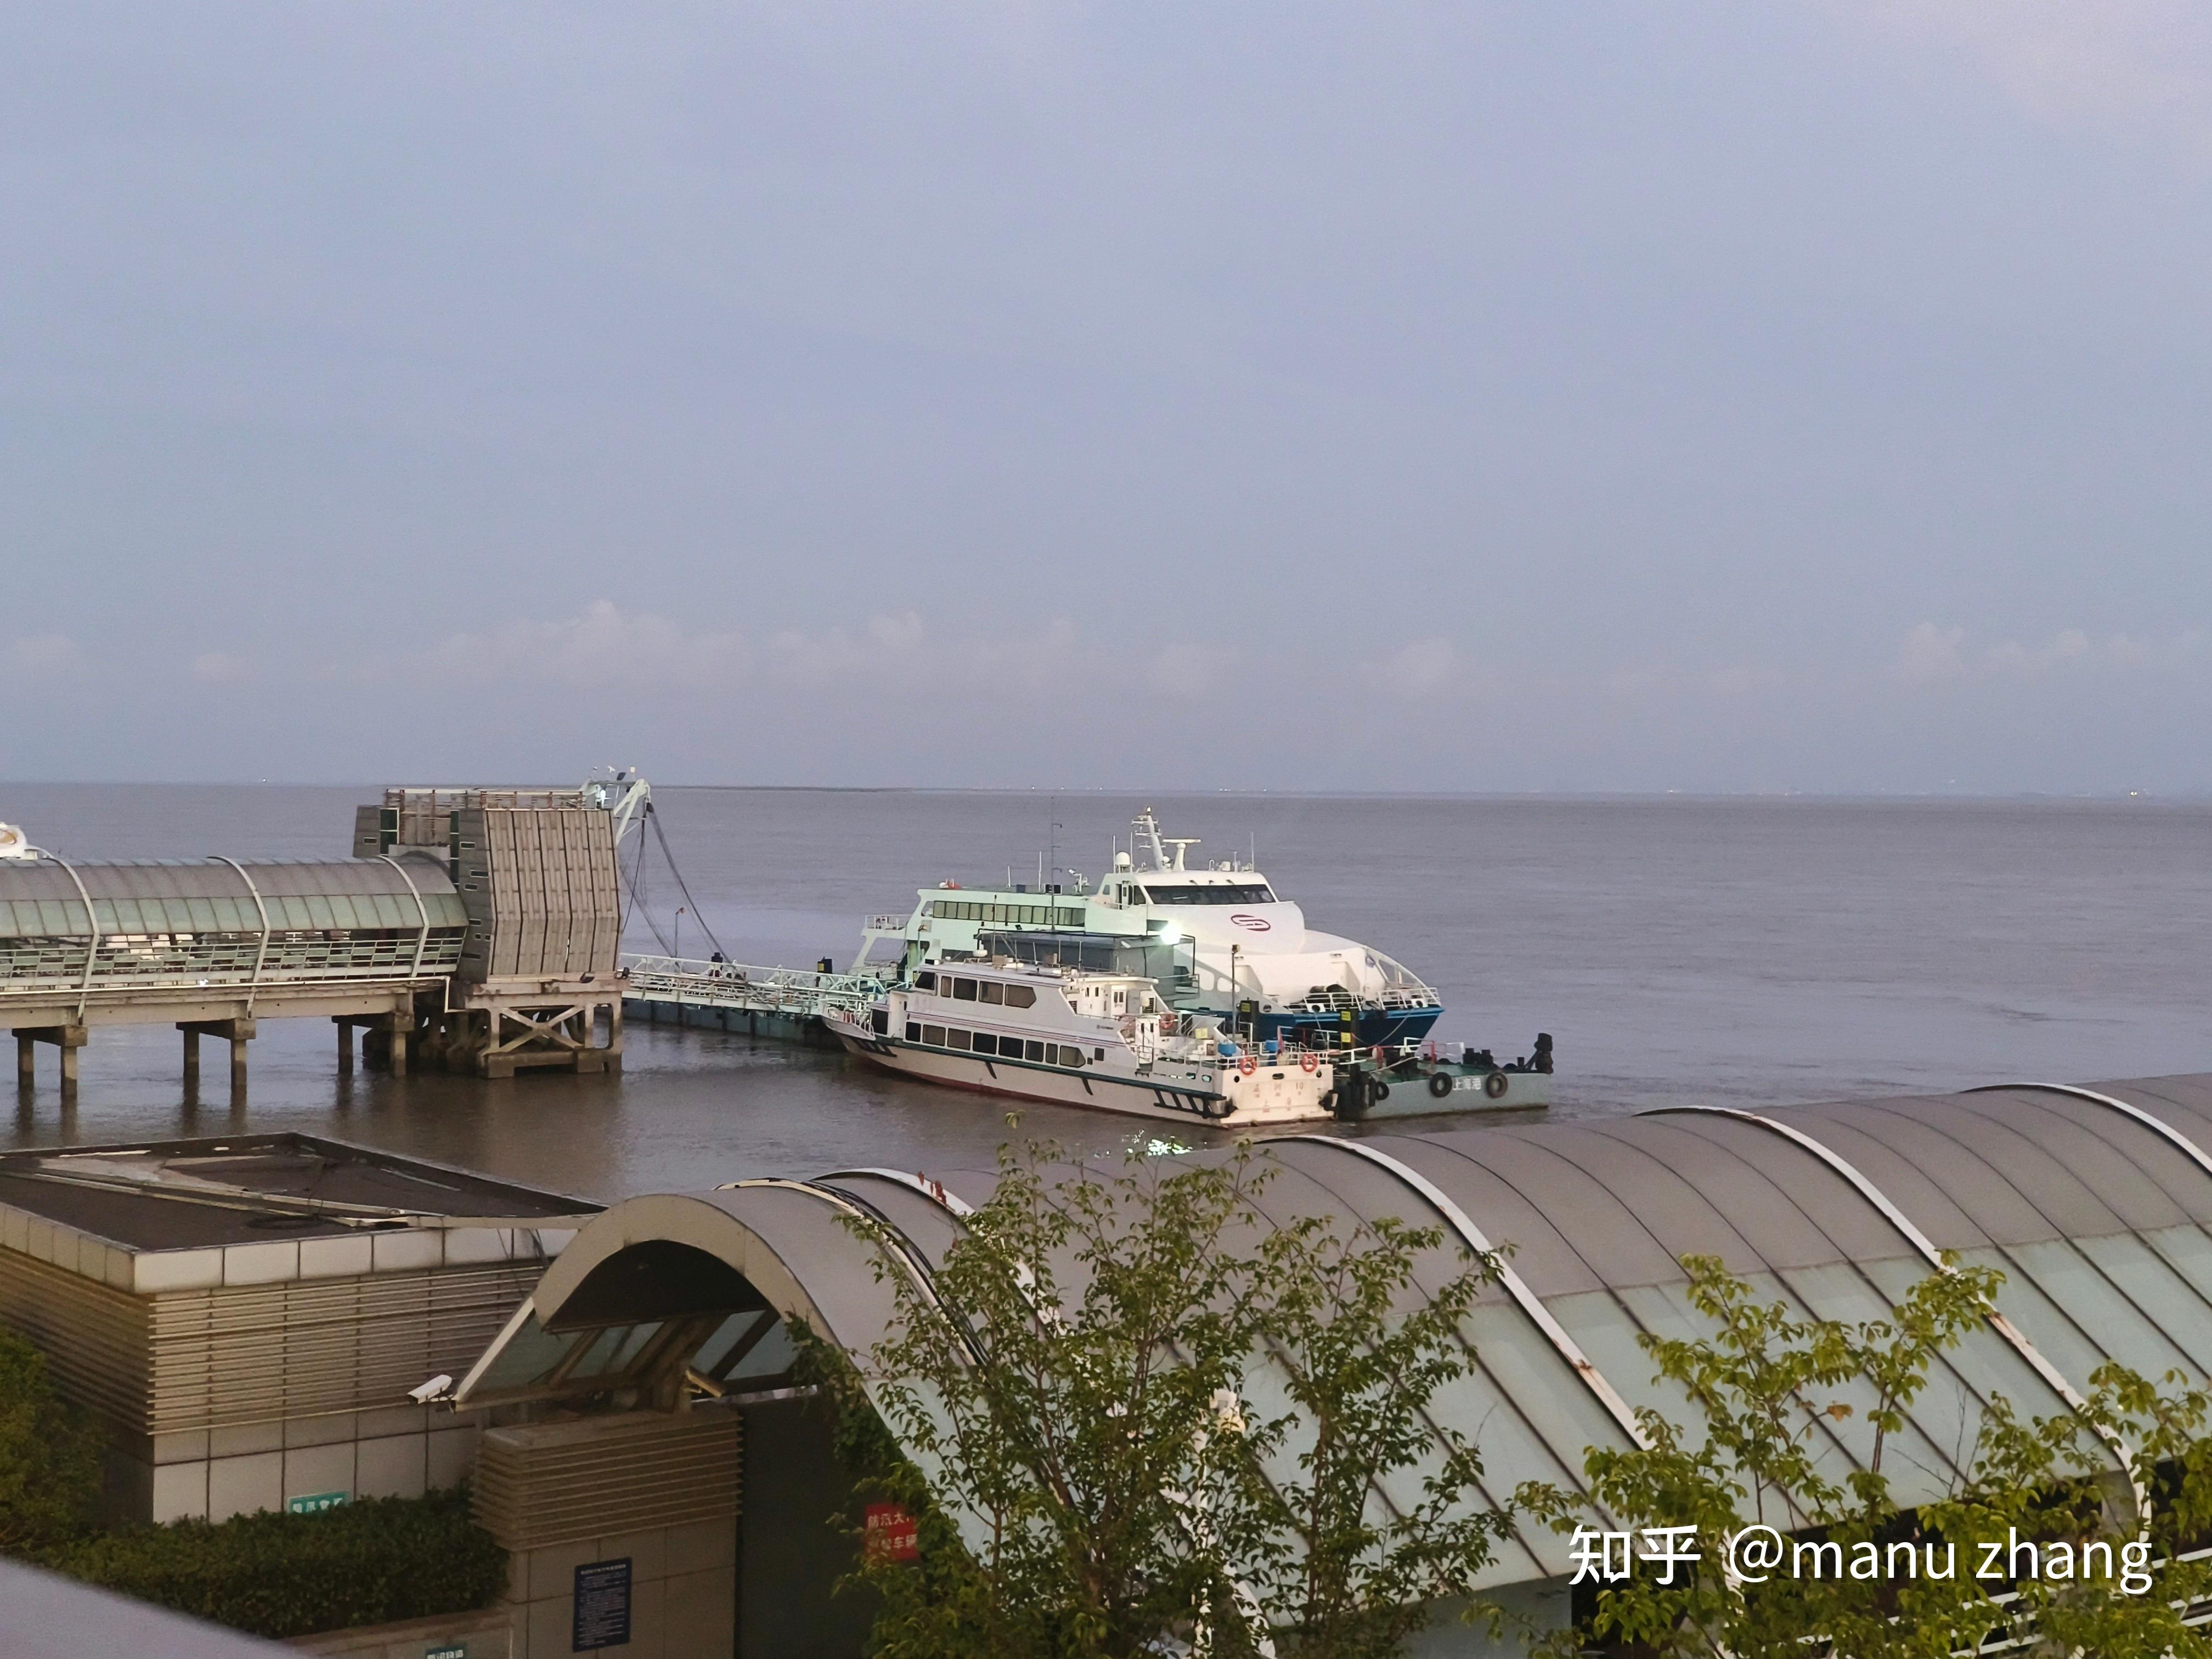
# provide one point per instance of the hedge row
(364, 1563)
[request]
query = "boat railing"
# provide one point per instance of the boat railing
(1410, 996)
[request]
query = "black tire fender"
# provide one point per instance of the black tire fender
(1441, 1084)
(1495, 1084)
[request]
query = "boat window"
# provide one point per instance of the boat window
(913, 1031)
(934, 1036)
(963, 990)
(1228, 893)
(991, 990)
(1020, 996)
(1097, 1054)
(1033, 1051)
(985, 1043)
(924, 981)
(958, 1039)
(1070, 1056)
(1025, 916)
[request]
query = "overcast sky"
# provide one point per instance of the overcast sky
(1579, 395)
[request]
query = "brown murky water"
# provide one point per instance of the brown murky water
(1742, 951)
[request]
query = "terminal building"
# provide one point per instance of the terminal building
(627, 1394)
(245, 1316)
(2094, 1202)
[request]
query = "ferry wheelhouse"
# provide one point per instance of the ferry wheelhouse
(1075, 1038)
(1219, 943)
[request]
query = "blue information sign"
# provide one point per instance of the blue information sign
(602, 1606)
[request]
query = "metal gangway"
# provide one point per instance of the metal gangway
(793, 992)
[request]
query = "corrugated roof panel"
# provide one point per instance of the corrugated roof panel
(1852, 1228)
(1538, 1253)
(1708, 1152)
(2013, 1145)
(1607, 1236)
(2132, 1171)
(1677, 1214)
(1931, 1209)
(923, 1221)
(1905, 1153)
(2183, 1103)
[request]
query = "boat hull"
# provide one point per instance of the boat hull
(1171, 1094)
(1415, 1097)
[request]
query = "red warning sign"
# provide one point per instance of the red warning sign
(891, 1534)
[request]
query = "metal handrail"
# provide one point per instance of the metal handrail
(744, 984)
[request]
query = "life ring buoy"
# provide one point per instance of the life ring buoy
(1440, 1084)
(1495, 1084)
(1309, 1061)
(1247, 1064)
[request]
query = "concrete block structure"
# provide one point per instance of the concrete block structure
(244, 1316)
(646, 1501)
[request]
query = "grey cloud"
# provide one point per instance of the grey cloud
(930, 394)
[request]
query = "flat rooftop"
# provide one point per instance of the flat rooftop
(245, 1189)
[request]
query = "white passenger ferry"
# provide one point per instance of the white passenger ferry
(1078, 1038)
(1220, 943)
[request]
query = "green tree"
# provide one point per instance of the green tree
(49, 1460)
(1126, 1409)
(2127, 1468)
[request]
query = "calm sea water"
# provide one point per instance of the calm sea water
(1737, 952)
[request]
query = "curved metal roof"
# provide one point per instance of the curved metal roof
(2094, 1204)
(41, 899)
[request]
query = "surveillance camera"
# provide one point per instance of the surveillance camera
(433, 1389)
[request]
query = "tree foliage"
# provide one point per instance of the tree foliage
(1126, 1409)
(49, 1458)
(1771, 1389)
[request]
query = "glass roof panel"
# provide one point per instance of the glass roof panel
(2117, 1327)
(528, 1358)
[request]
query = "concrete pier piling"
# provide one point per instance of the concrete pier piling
(68, 1039)
(237, 1032)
